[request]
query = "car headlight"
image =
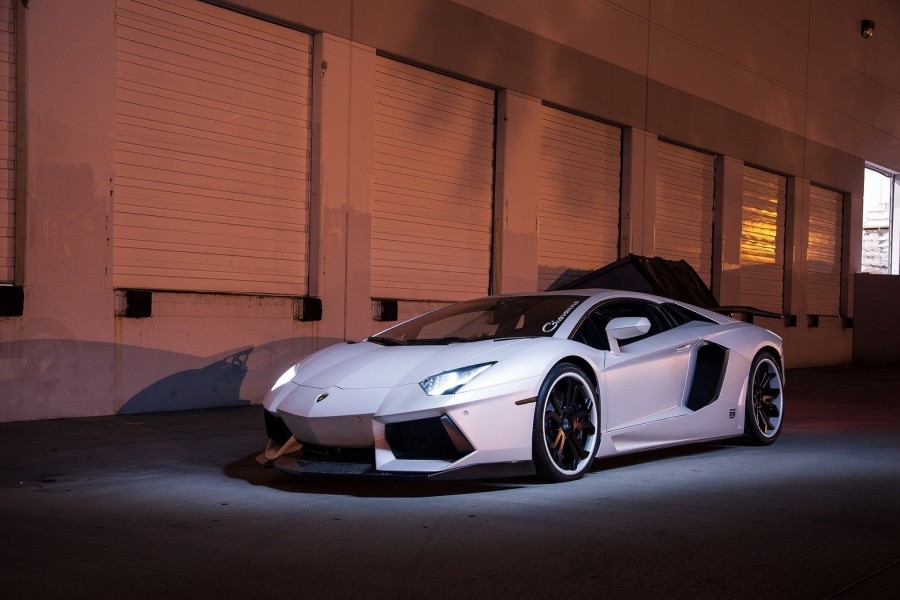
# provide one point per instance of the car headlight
(449, 382)
(285, 377)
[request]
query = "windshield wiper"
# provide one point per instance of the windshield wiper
(385, 341)
(450, 339)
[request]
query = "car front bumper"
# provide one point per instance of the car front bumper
(486, 433)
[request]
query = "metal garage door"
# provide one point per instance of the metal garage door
(578, 207)
(211, 150)
(685, 184)
(823, 252)
(762, 240)
(7, 140)
(432, 185)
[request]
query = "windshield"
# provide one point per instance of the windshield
(484, 319)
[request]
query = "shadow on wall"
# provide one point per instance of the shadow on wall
(217, 384)
(551, 278)
(51, 375)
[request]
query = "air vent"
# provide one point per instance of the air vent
(709, 371)
(437, 438)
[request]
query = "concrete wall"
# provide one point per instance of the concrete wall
(65, 97)
(877, 323)
(786, 86)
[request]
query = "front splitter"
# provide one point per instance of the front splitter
(366, 470)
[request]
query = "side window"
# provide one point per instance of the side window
(680, 315)
(592, 330)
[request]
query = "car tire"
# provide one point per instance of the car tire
(566, 425)
(765, 401)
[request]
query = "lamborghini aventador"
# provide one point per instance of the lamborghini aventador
(526, 384)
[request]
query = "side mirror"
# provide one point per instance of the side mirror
(624, 328)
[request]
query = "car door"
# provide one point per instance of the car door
(645, 381)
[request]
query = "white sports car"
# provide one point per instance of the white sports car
(526, 384)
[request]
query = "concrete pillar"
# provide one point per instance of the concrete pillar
(341, 198)
(729, 203)
(638, 193)
(851, 253)
(66, 95)
(517, 187)
(796, 241)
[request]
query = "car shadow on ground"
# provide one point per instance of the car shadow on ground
(247, 469)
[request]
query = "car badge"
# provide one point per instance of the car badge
(321, 397)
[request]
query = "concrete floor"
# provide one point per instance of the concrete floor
(172, 505)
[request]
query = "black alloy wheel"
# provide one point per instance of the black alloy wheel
(765, 401)
(566, 425)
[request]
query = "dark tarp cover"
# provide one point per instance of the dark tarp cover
(674, 279)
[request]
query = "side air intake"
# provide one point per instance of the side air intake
(709, 371)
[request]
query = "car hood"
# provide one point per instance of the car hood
(371, 365)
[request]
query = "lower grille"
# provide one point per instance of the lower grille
(437, 438)
(328, 454)
(277, 431)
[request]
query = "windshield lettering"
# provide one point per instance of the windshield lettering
(551, 326)
(494, 317)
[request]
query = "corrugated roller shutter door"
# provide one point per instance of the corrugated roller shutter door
(823, 252)
(578, 206)
(211, 150)
(432, 185)
(685, 184)
(7, 140)
(762, 240)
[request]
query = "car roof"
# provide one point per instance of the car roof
(597, 294)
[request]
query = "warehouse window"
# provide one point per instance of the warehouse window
(881, 234)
